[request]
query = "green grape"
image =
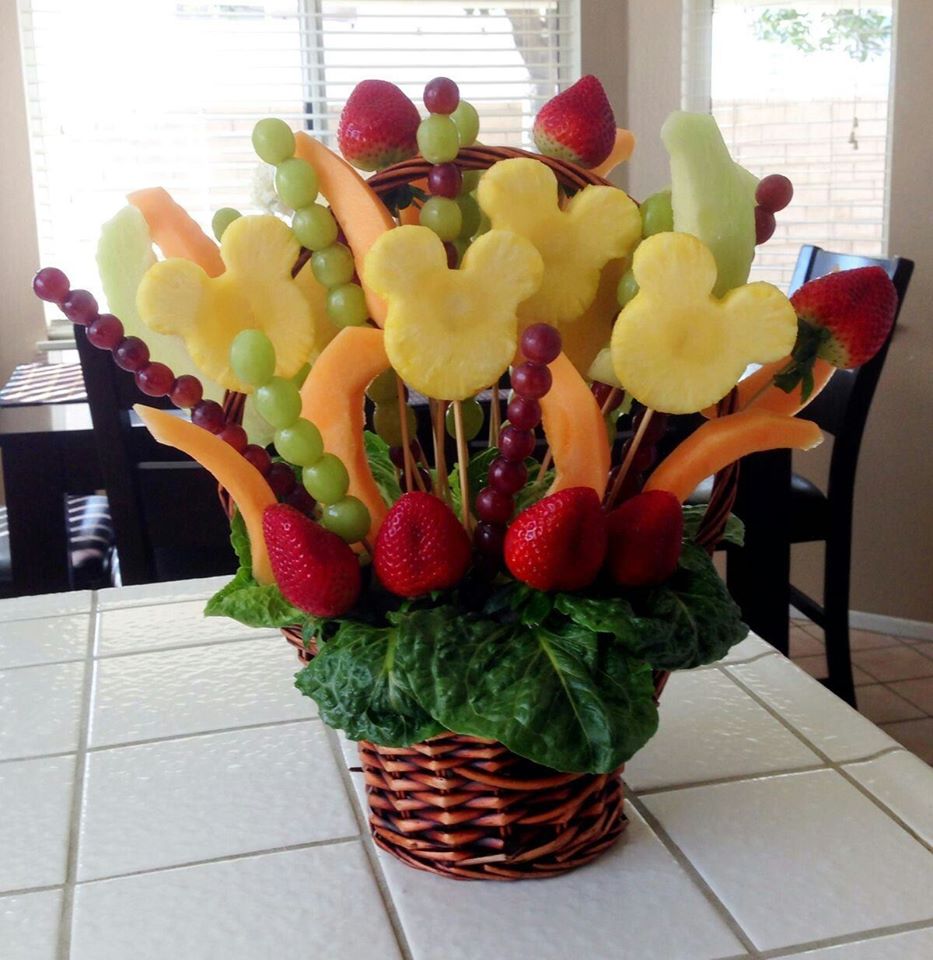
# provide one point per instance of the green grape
(346, 305)
(300, 443)
(348, 518)
(627, 288)
(438, 139)
(388, 423)
(470, 215)
(252, 357)
(315, 226)
(484, 225)
(273, 140)
(467, 121)
(327, 480)
(384, 388)
(472, 414)
(222, 219)
(333, 265)
(657, 216)
(442, 216)
(296, 183)
(470, 180)
(278, 402)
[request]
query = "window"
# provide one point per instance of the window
(801, 88)
(125, 95)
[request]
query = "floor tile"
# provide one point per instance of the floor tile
(711, 729)
(900, 662)
(800, 837)
(46, 605)
(914, 945)
(321, 903)
(829, 723)
(870, 639)
(815, 666)
(802, 644)
(197, 689)
(918, 692)
(128, 630)
(902, 782)
(29, 925)
(40, 709)
(146, 594)
(180, 801)
(47, 640)
(35, 797)
(860, 678)
(881, 705)
(748, 649)
(611, 905)
(916, 735)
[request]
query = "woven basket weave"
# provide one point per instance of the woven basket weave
(466, 807)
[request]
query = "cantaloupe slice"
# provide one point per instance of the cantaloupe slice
(621, 150)
(584, 337)
(775, 400)
(575, 431)
(332, 399)
(175, 233)
(359, 211)
(237, 476)
(720, 442)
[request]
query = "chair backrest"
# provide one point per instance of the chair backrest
(168, 522)
(842, 408)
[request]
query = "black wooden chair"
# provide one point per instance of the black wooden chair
(167, 519)
(781, 508)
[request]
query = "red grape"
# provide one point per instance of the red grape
(50, 284)
(422, 473)
(488, 538)
(774, 193)
(453, 255)
(441, 95)
(187, 391)
(281, 478)
(209, 415)
(131, 354)
(301, 500)
(515, 444)
(524, 413)
(764, 225)
(445, 180)
(80, 307)
(541, 343)
(258, 457)
(531, 380)
(105, 332)
(235, 435)
(507, 476)
(155, 379)
(492, 506)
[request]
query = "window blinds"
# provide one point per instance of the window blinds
(130, 93)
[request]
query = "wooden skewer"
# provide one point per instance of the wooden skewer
(406, 441)
(442, 488)
(630, 456)
(495, 417)
(463, 460)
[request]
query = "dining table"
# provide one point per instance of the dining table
(166, 792)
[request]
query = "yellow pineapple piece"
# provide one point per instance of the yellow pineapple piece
(450, 333)
(256, 291)
(676, 347)
(599, 224)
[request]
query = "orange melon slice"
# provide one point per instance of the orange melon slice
(575, 431)
(237, 476)
(173, 230)
(360, 213)
(332, 399)
(775, 400)
(723, 441)
(621, 150)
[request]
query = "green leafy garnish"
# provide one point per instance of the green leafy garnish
(734, 531)
(384, 472)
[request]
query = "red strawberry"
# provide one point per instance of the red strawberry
(314, 568)
(421, 546)
(378, 126)
(577, 125)
(845, 318)
(558, 543)
(645, 539)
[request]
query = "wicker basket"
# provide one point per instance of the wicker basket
(469, 808)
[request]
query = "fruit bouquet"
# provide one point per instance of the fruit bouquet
(489, 587)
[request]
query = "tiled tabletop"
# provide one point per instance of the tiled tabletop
(166, 793)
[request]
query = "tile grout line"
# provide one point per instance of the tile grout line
(175, 647)
(25, 891)
(368, 847)
(77, 796)
(719, 781)
(41, 663)
(694, 876)
(861, 936)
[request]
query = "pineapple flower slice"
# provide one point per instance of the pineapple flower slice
(599, 224)
(256, 291)
(451, 333)
(677, 348)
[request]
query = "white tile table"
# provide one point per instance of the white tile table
(165, 792)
